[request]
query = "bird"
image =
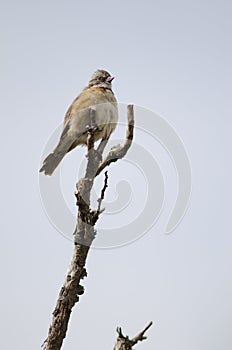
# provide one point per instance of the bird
(98, 95)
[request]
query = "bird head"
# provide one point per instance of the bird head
(101, 78)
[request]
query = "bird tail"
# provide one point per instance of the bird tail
(53, 159)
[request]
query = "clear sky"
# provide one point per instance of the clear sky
(173, 58)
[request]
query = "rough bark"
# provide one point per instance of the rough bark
(84, 233)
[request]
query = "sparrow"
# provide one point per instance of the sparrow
(98, 95)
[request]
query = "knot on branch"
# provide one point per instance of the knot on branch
(83, 187)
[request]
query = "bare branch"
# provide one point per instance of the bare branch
(120, 151)
(83, 237)
(102, 193)
(140, 336)
(125, 343)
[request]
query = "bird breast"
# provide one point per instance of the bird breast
(106, 114)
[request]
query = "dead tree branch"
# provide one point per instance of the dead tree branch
(84, 233)
(125, 343)
(102, 193)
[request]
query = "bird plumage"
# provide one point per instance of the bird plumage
(98, 95)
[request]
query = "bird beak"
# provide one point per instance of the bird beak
(110, 79)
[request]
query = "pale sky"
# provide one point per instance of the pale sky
(172, 58)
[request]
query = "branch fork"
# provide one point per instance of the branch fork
(125, 343)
